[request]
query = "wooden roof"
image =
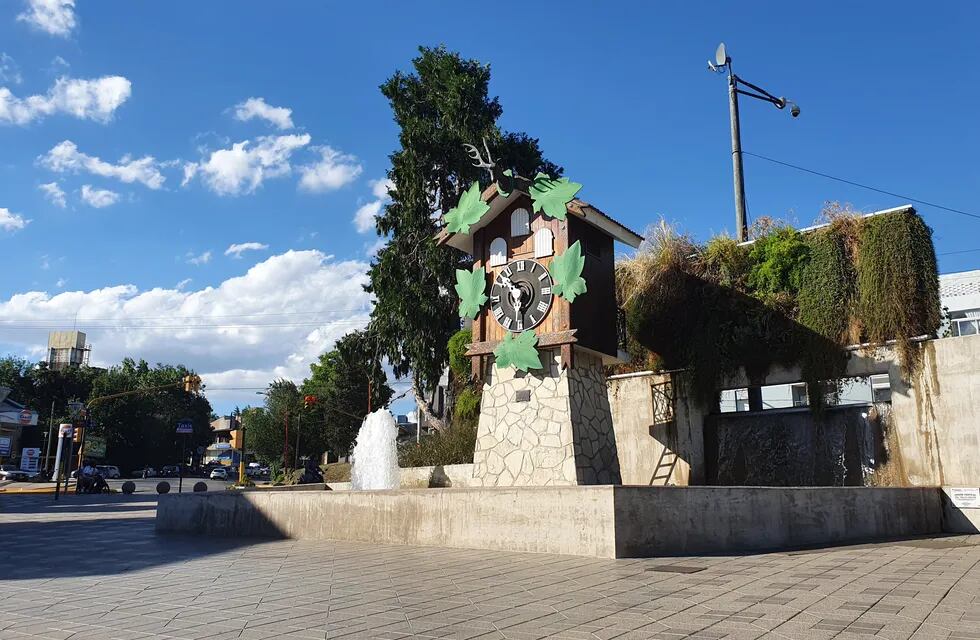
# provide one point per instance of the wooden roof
(577, 208)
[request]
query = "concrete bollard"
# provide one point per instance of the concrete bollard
(128, 487)
(163, 487)
(200, 486)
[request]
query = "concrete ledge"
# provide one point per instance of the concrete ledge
(569, 520)
(597, 521)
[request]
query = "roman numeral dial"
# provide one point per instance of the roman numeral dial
(521, 297)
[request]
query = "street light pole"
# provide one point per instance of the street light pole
(741, 223)
(722, 63)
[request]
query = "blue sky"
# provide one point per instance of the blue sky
(618, 93)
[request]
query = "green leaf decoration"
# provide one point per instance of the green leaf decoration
(520, 352)
(500, 187)
(467, 211)
(470, 286)
(552, 195)
(566, 271)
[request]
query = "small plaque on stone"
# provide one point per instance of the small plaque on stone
(524, 395)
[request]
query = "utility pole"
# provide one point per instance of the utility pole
(722, 63)
(241, 460)
(285, 444)
(47, 448)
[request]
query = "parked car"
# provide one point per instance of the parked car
(13, 472)
(219, 473)
(170, 471)
(144, 472)
(109, 471)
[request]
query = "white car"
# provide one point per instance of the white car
(109, 471)
(13, 472)
(219, 473)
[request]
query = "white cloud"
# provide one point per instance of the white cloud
(280, 117)
(365, 215)
(245, 166)
(204, 258)
(54, 194)
(65, 156)
(95, 100)
(333, 171)
(56, 17)
(237, 249)
(61, 283)
(183, 284)
(270, 322)
(98, 198)
(372, 249)
(10, 221)
(9, 71)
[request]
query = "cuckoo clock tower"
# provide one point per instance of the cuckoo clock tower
(542, 298)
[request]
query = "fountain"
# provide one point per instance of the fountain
(375, 457)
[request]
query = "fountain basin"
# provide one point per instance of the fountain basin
(603, 521)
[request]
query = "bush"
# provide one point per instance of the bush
(453, 446)
(898, 282)
(459, 362)
(828, 288)
(778, 260)
(467, 404)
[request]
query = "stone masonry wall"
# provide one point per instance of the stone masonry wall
(545, 427)
(596, 456)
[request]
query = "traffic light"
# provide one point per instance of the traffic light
(77, 437)
(192, 383)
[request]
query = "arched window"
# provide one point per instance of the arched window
(544, 243)
(520, 223)
(498, 252)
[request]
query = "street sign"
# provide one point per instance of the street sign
(4, 445)
(25, 416)
(29, 458)
(66, 430)
(185, 426)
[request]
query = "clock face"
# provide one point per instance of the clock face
(521, 295)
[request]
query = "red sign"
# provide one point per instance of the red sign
(25, 416)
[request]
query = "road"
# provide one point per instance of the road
(142, 486)
(92, 567)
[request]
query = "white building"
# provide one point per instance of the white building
(960, 295)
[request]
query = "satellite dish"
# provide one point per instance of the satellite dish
(721, 55)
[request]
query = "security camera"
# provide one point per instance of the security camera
(795, 111)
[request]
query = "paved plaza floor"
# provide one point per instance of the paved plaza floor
(91, 567)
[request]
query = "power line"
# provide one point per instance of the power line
(951, 253)
(863, 186)
(177, 318)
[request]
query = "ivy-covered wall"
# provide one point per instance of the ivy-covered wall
(789, 298)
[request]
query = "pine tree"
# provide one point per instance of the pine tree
(442, 105)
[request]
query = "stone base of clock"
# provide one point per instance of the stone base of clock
(547, 427)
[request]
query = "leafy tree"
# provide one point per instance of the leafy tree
(39, 388)
(140, 429)
(440, 106)
(340, 383)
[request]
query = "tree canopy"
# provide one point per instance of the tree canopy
(438, 107)
(137, 429)
(339, 381)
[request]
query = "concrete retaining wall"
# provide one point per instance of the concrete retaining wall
(698, 520)
(598, 521)
(443, 476)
